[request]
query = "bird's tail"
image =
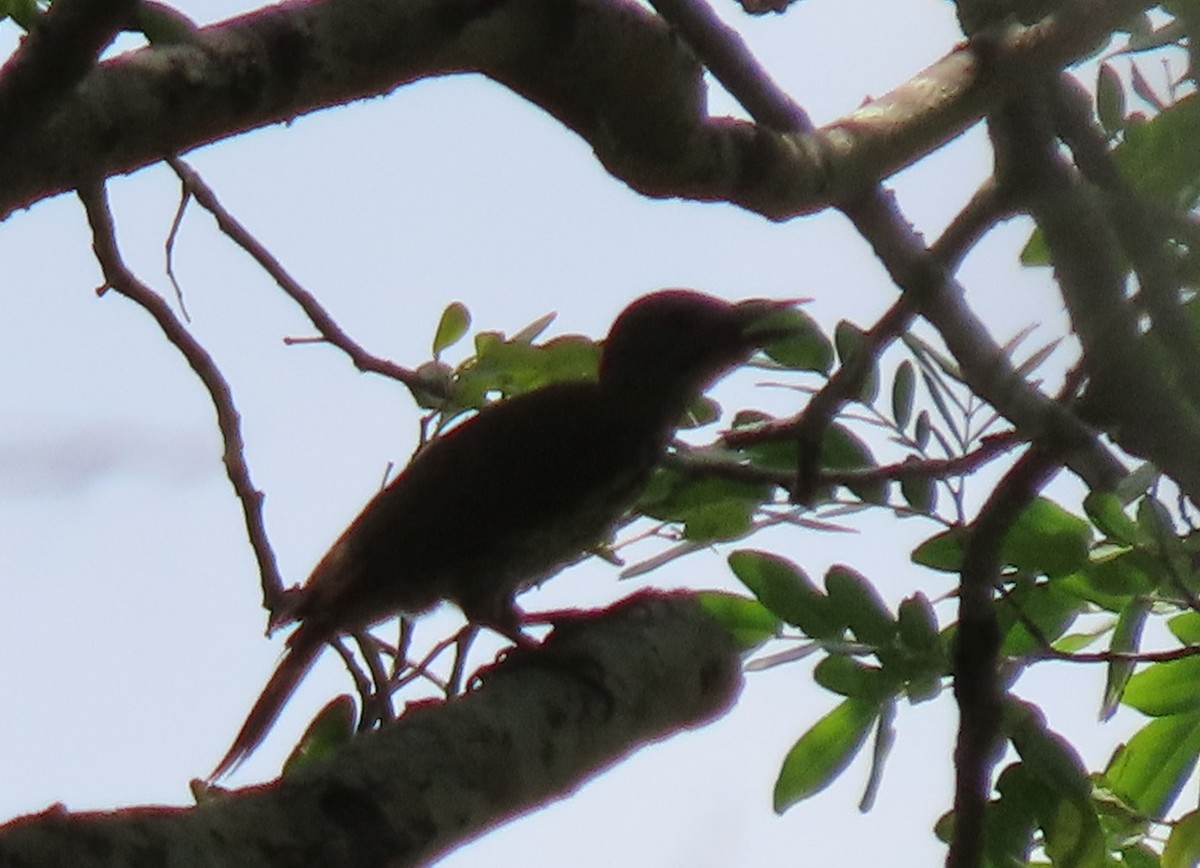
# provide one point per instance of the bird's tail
(303, 647)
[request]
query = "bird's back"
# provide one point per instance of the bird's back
(494, 505)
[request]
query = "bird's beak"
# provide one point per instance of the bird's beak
(765, 321)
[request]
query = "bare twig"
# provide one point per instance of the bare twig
(987, 207)
(931, 468)
(330, 331)
(420, 669)
(118, 277)
(169, 250)
(362, 683)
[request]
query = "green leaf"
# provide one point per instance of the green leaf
(807, 350)
(922, 688)
(922, 429)
(775, 456)
(932, 359)
(721, 520)
(850, 340)
(747, 621)
(25, 12)
(824, 751)
(844, 675)
(918, 623)
(703, 411)
(786, 591)
(1107, 512)
(1110, 100)
(1047, 539)
(1035, 252)
(1186, 627)
(1137, 482)
(511, 367)
(1139, 856)
(1047, 604)
(1012, 818)
(1160, 157)
(939, 393)
(1127, 638)
(453, 325)
(1161, 689)
(904, 390)
(943, 551)
(854, 601)
(1117, 575)
(1073, 836)
(1183, 844)
(919, 491)
(1150, 771)
(1154, 521)
(710, 508)
(330, 729)
(842, 449)
(1046, 754)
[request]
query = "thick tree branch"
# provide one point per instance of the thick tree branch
(976, 652)
(1134, 389)
(442, 774)
(60, 50)
(985, 366)
(726, 56)
(611, 71)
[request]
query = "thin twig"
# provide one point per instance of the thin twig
(118, 277)
(933, 468)
(169, 250)
(330, 331)
(377, 705)
(362, 683)
(420, 669)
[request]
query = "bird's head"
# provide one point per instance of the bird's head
(667, 347)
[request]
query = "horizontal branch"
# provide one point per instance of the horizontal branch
(610, 70)
(541, 722)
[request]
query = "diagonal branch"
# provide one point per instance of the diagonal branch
(987, 369)
(118, 277)
(976, 651)
(61, 48)
(1132, 377)
(722, 50)
(195, 186)
(540, 724)
(609, 70)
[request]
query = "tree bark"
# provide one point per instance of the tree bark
(610, 70)
(541, 722)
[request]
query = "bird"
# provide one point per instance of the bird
(511, 495)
